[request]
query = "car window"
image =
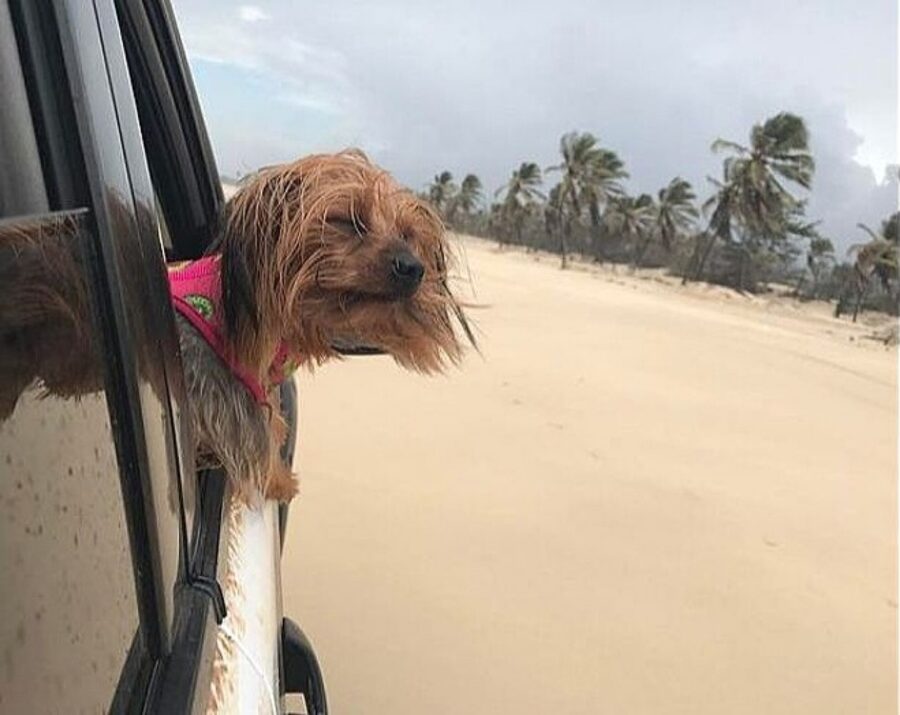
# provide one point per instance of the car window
(69, 613)
(186, 183)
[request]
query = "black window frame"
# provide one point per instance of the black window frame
(179, 153)
(186, 184)
(171, 143)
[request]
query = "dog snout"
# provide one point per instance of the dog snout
(406, 272)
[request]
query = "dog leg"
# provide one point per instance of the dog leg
(244, 437)
(282, 484)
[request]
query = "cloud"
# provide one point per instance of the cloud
(252, 13)
(471, 86)
(270, 74)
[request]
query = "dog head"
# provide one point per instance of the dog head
(329, 250)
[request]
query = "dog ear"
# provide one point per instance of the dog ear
(241, 313)
(248, 245)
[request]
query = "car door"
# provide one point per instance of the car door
(103, 132)
(93, 487)
(116, 610)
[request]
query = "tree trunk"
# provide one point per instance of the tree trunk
(596, 233)
(861, 289)
(695, 256)
(800, 281)
(641, 252)
(841, 304)
(814, 291)
(742, 269)
(707, 251)
(562, 246)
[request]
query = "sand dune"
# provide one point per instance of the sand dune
(641, 500)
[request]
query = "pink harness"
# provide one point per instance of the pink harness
(196, 294)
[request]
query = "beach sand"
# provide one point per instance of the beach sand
(641, 499)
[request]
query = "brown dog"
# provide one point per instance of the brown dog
(325, 251)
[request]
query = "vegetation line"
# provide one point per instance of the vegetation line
(751, 232)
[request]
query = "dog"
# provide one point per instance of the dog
(328, 250)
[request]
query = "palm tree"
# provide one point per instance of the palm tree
(441, 191)
(495, 225)
(631, 217)
(591, 175)
(470, 193)
(877, 258)
(603, 185)
(722, 207)
(521, 194)
(753, 199)
(675, 214)
(553, 212)
(818, 256)
(467, 198)
(779, 149)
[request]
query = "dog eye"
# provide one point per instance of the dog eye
(347, 225)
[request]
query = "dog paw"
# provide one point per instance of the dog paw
(282, 487)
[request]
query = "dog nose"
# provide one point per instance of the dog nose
(406, 272)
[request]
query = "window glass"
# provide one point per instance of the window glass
(68, 612)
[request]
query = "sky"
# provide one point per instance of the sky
(482, 85)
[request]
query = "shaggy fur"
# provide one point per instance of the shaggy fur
(309, 259)
(46, 329)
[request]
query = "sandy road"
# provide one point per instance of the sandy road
(639, 501)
